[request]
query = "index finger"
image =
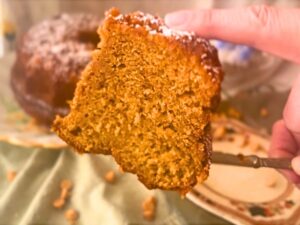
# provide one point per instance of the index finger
(267, 28)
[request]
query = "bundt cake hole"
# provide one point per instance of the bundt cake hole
(89, 38)
(64, 94)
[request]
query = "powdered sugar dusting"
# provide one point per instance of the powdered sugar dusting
(154, 25)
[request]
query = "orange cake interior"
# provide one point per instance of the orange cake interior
(146, 98)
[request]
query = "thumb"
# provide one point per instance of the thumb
(291, 116)
(296, 164)
(283, 145)
(267, 28)
(285, 140)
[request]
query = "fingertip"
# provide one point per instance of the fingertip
(282, 141)
(296, 165)
(279, 124)
(178, 19)
(291, 110)
(279, 153)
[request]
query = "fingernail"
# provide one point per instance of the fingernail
(177, 19)
(296, 165)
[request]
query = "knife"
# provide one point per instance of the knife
(250, 161)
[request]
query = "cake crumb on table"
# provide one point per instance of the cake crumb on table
(271, 182)
(66, 184)
(234, 113)
(59, 203)
(65, 189)
(148, 215)
(121, 170)
(11, 175)
(219, 132)
(110, 176)
(149, 208)
(246, 140)
(71, 215)
(256, 147)
(242, 140)
(64, 193)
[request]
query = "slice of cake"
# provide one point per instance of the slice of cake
(146, 98)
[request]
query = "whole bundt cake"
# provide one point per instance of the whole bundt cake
(146, 98)
(50, 59)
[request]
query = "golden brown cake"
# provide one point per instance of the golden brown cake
(146, 98)
(50, 58)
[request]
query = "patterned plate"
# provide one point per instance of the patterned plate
(16, 127)
(245, 195)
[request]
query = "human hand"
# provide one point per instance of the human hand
(269, 29)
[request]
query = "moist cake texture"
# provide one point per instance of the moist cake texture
(146, 98)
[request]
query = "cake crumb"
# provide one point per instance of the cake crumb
(182, 195)
(71, 215)
(110, 176)
(11, 175)
(149, 208)
(242, 140)
(219, 132)
(121, 170)
(246, 140)
(148, 215)
(59, 203)
(66, 184)
(264, 112)
(65, 188)
(256, 147)
(234, 113)
(271, 182)
(64, 193)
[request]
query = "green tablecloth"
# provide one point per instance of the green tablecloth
(28, 199)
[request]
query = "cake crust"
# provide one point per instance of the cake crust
(146, 98)
(50, 58)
